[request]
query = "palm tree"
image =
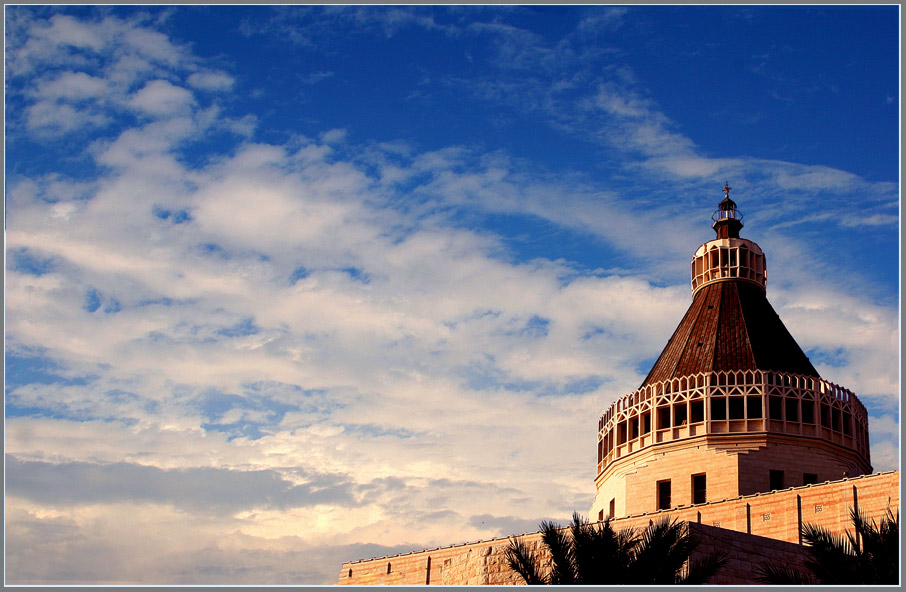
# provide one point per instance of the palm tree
(869, 555)
(587, 553)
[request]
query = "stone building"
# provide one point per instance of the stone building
(733, 431)
(732, 406)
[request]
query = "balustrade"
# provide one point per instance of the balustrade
(732, 402)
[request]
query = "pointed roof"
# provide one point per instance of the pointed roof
(730, 326)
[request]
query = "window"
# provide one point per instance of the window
(697, 410)
(775, 407)
(646, 423)
(808, 411)
(600, 515)
(792, 409)
(825, 416)
(388, 567)
(663, 495)
(699, 489)
(613, 506)
(776, 480)
(663, 417)
(718, 408)
(753, 407)
(679, 414)
(737, 408)
(809, 478)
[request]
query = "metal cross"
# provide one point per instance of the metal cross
(727, 189)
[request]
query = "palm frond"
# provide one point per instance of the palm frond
(523, 561)
(773, 573)
(562, 556)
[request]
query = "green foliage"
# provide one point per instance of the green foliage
(867, 555)
(585, 553)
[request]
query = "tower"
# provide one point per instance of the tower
(732, 406)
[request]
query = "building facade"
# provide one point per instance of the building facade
(732, 406)
(733, 432)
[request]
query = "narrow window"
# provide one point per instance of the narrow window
(808, 411)
(388, 567)
(753, 407)
(679, 414)
(600, 515)
(836, 419)
(699, 489)
(621, 433)
(697, 411)
(613, 505)
(718, 408)
(663, 417)
(847, 423)
(663, 495)
(350, 574)
(775, 407)
(737, 408)
(634, 428)
(776, 480)
(792, 409)
(825, 416)
(809, 478)
(646, 423)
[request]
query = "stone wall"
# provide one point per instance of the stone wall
(749, 528)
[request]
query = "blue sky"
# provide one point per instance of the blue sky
(287, 286)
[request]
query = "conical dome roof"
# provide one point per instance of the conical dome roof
(730, 326)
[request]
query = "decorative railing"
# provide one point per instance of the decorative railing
(732, 402)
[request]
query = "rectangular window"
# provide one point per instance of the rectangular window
(718, 408)
(613, 506)
(699, 489)
(634, 428)
(808, 411)
(697, 411)
(775, 407)
(679, 414)
(792, 409)
(646, 423)
(600, 515)
(663, 495)
(809, 478)
(776, 480)
(753, 407)
(737, 408)
(663, 417)
(825, 416)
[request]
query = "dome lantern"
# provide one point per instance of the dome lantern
(727, 219)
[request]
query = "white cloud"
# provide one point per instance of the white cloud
(49, 117)
(159, 97)
(73, 86)
(217, 81)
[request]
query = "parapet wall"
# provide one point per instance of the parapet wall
(767, 517)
